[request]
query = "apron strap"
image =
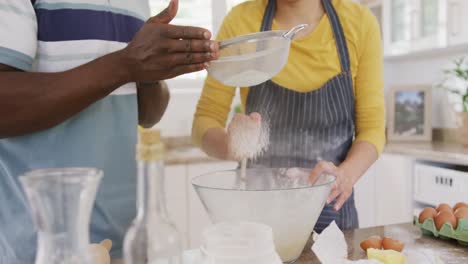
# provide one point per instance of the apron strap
(268, 15)
(338, 32)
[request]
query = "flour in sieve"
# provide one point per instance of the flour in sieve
(247, 78)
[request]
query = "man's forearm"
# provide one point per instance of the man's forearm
(153, 99)
(31, 102)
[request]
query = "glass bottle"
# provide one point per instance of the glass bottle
(152, 237)
(61, 201)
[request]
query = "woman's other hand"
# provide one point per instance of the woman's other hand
(99, 253)
(343, 186)
(243, 132)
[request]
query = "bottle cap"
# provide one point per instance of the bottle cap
(150, 146)
(149, 136)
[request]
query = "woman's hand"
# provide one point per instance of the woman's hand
(243, 133)
(99, 253)
(343, 186)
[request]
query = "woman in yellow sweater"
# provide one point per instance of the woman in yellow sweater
(325, 108)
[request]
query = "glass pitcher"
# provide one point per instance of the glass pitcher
(61, 201)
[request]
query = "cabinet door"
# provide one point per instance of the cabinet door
(176, 198)
(457, 20)
(429, 24)
(365, 196)
(397, 26)
(394, 199)
(197, 216)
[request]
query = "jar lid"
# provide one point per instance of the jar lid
(149, 136)
(238, 240)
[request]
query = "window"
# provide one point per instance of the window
(401, 20)
(429, 17)
(191, 12)
(208, 14)
(196, 13)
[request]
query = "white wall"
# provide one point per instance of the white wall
(424, 70)
(177, 121)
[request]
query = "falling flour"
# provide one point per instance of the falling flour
(248, 140)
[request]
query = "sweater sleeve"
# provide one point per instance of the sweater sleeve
(18, 31)
(369, 90)
(215, 101)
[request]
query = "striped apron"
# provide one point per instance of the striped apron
(312, 126)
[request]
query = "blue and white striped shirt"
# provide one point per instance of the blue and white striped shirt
(53, 36)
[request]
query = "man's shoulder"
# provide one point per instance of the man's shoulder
(136, 8)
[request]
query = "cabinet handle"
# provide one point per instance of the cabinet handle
(455, 16)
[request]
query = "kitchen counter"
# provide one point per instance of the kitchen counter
(187, 155)
(182, 151)
(448, 250)
(443, 152)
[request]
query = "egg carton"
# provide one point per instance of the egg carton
(446, 232)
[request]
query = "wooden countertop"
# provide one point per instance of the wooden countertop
(448, 250)
(431, 151)
(182, 151)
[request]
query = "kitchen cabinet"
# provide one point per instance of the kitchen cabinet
(397, 26)
(384, 193)
(429, 25)
(457, 21)
(176, 199)
(420, 26)
(365, 198)
(394, 186)
(414, 25)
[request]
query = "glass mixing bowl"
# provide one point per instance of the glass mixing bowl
(284, 199)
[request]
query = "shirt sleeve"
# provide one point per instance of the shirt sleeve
(215, 101)
(370, 102)
(18, 31)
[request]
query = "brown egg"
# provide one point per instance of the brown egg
(461, 213)
(459, 205)
(428, 212)
(393, 244)
(445, 217)
(372, 242)
(444, 207)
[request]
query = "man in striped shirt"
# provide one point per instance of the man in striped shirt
(76, 78)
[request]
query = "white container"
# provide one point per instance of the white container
(239, 243)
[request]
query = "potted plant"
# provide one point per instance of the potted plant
(456, 82)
